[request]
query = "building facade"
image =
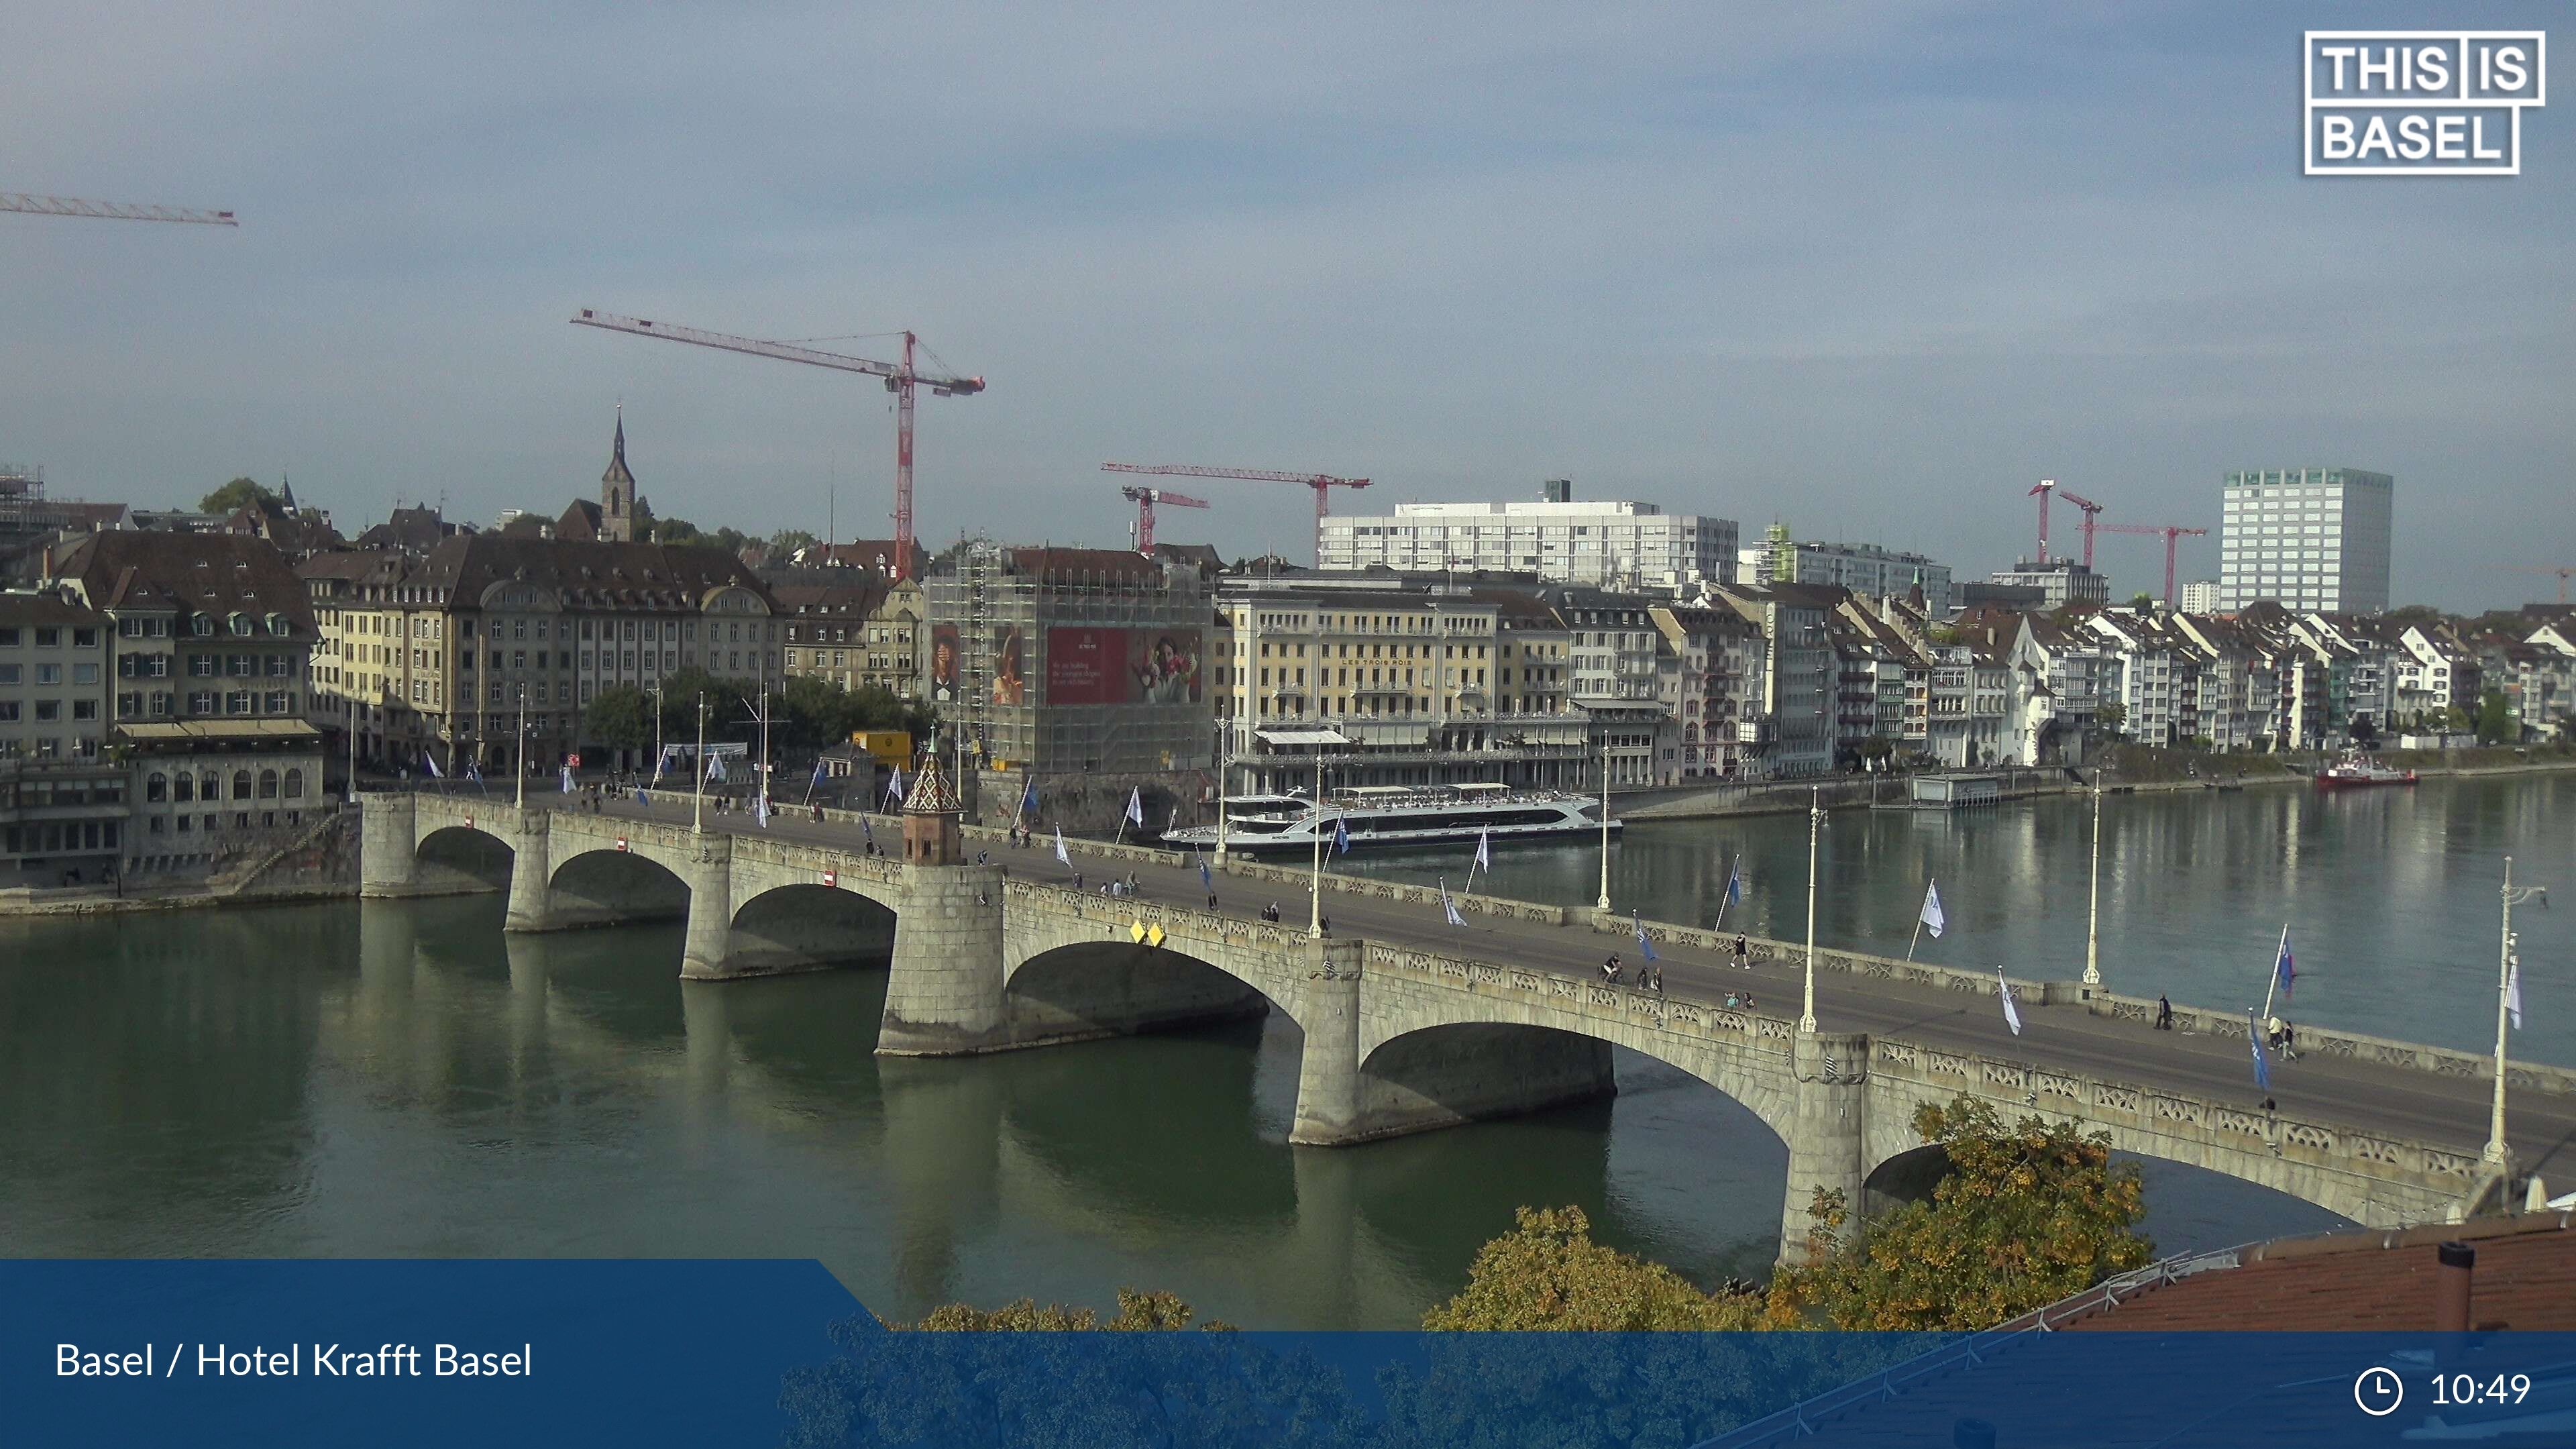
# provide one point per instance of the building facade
(1863, 568)
(438, 658)
(213, 653)
(2309, 539)
(62, 793)
(2060, 581)
(1604, 545)
(863, 632)
(2200, 597)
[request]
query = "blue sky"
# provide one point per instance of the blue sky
(1869, 269)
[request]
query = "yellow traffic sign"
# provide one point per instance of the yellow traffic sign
(1154, 936)
(1136, 931)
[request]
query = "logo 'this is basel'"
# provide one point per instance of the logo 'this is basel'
(2421, 102)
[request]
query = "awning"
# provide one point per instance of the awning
(1303, 738)
(221, 731)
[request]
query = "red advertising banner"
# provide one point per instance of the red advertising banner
(1122, 666)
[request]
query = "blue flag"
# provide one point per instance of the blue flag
(1644, 945)
(1735, 882)
(2262, 1065)
(641, 798)
(2281, 969)
(1207, 879)
(1029, 796)
(818, 771)
(1342, 835)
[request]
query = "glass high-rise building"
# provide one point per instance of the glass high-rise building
(2307, 539)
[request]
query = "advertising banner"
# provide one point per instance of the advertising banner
(1122, 666)
(946, 662)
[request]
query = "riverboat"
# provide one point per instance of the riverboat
(2356, 770)
(1390, 815)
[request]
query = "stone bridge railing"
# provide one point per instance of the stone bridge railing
(2376, 1051)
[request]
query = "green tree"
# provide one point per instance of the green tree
(2142, 602)
(1138, 1312)
(1547, 1273)
(234, 496)
(2495, 720)
(2111, 715)
(788, 540)
(619, 718)
(2028, 1214)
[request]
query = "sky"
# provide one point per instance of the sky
(1870, 270)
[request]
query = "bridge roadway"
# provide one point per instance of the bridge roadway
(2068, 1049)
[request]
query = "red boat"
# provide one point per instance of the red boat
(2356, 769)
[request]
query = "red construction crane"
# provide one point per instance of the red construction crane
(1320, 482)
(2044, 489)
(1145, 499)
(2170, 533)
(900, 379)
(2563, 575)
(110, 210)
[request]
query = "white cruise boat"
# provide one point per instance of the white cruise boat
(1398, 815)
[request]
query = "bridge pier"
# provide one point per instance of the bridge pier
(710, 930)
(944, 991)
(1328, 1073)
(531, 874)
(388, 846)
(1827, 1131)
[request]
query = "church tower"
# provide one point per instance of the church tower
(617, 500)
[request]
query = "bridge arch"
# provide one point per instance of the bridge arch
(1501, 1063)
(463, 857)
(806, 926)
(612, 887)
(1105, 987)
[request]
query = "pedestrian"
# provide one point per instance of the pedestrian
(2164, 1013)
(1324, 924)
(1743, 958)
(1077, 880)
(1655, 979)
(818, 814)
(1748, 1001)
(1211, 900)
(1610, 968)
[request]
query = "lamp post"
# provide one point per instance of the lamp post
(1603, 904)
(523, 745)
(698, 786)
(2513, 895)
(2093, 908)
(1224, 767)
(655, 689)
(1815, 832)
(1315, 881)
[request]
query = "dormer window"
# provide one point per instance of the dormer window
(241, 623)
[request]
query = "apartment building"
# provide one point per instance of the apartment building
(213, 649)
(862, 631)
(1627, 545)
(62, 793)
(2309, 539)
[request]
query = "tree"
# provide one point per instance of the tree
(2143, 602)
(1548, 1273)
(2495, 720)
(235, 496)
(2027, 1215)
(788, 540)
(2111, 715)
(619, 718)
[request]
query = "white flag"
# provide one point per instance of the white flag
(564, 774)
(2012, 1014)
(1061, 857)
(431, 761)
(1933, 920)
(1484, 860)
(894, 786)
(760, 809)
(1449, 907)
(1136, 804)
(715, 768)
(2513, 990)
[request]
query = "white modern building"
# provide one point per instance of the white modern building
(1863, 568)
(2200, 597)
(2310, 539)
(1604, 545)
(2060, 581)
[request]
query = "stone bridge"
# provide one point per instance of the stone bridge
(1398, 1037)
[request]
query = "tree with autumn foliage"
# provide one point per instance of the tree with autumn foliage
(1547, 1273)
(2028, 1214)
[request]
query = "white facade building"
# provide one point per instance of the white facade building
(1604, 545)
(1863, 568)
(2200, 597)
(2311, 539)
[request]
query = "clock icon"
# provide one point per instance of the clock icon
(2378, 1391)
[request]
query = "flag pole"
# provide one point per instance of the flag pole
(1723, 892)
(2275, 983)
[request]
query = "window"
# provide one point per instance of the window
(8, 711)
(237, 702)
(201, 701)
(84, 674)
(49, 638)
(183, 788)
(268, 784)
(241, 786)
(84, 709)
(49, 709)
(8, 674)
(295, 784)
(156, 786)
(49, 674)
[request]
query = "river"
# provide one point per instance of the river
(402, 1079)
